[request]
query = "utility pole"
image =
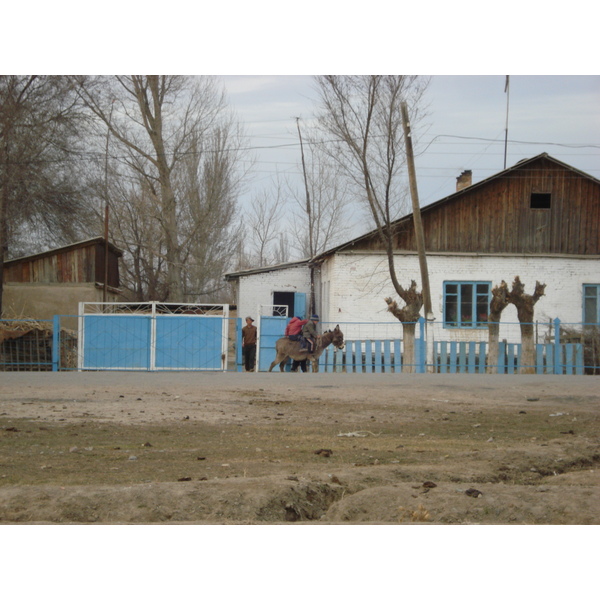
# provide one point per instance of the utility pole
(311, 308)
(419, 234)
(507, 92)
(105, 290)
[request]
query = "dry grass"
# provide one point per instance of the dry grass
(420, 515)
(85, 452)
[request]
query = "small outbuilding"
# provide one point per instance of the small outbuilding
(54, 282)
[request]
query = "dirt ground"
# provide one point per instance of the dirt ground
(268, 448)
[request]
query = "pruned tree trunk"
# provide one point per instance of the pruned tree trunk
(408, 316)
(524, 304)
(498, 303)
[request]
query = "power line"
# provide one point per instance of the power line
(88, 156)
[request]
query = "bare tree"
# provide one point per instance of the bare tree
(408, 316)
(323, 207)
(362, 117)
(282, 249)
(524, 303)
(39, 126)
(209, 189)
(173, 133)
(500, 300)
(136, 230)
(263, 225)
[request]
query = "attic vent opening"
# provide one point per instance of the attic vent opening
(540, 200)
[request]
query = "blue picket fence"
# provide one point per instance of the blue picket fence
(385, 356)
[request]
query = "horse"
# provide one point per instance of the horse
(286, 348)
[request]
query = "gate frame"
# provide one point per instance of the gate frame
(152, 314)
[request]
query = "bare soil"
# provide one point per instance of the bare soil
(265, 448)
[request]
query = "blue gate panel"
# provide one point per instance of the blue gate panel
(189, 342)
(116, 342)
(271, 329)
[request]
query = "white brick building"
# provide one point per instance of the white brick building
(282, 285)
(538, 220)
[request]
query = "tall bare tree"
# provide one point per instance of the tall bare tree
(135, 228)
(39, 190)
(362, 119)
(209, 189)
(175, 135)
(321, 217)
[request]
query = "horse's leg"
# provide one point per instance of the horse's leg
(273, 364)
(315, 365)
(282, 364)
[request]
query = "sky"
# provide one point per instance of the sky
(464, 130)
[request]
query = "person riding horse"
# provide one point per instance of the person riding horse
(294, 328)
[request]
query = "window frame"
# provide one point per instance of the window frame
(586, 296)
(476, 296)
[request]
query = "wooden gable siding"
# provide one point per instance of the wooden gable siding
(78, 265)
(113, 266)
(497, 217)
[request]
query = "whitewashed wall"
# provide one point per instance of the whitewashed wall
(354, 287)
(257, 289)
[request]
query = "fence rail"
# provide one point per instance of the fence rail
(561, 348)
(554, 353)
(385, 356)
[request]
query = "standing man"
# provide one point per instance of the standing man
(249, 344)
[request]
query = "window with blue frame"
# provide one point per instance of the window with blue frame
(466, 303)
(591, 305)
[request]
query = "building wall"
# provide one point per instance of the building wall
(44, 300)
(357, 284)
(257, 289)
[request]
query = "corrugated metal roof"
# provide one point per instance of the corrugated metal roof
(279, 267)
(74, 246)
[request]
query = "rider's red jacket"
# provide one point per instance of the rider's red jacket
(294, 327)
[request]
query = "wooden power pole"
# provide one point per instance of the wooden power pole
(312, 307)
(419, 234)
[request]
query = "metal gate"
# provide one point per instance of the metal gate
(153, 337)
(271, 328)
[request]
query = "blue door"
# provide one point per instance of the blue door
(299, 305)
(271, 329)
